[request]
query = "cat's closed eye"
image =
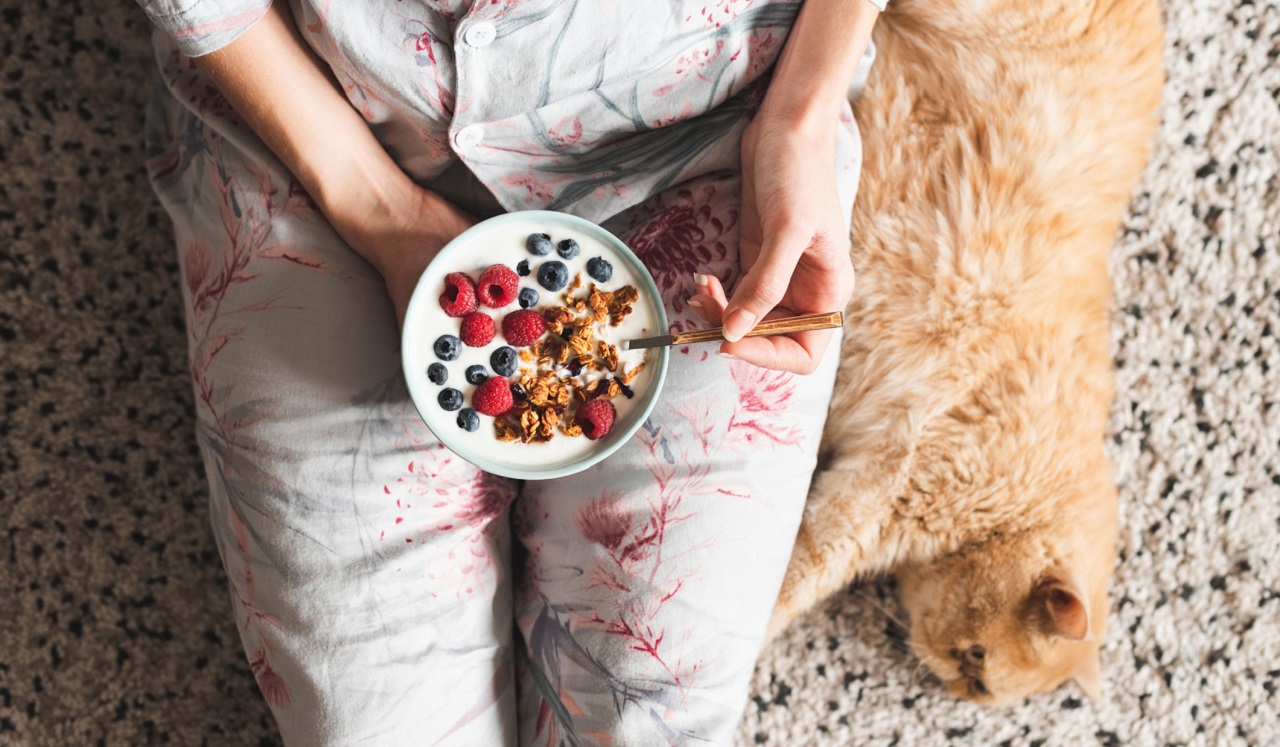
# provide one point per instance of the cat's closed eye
(995, 632)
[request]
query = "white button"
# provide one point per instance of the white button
(468, 137)
(480, 35)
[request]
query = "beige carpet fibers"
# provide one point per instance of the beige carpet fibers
(113, 615)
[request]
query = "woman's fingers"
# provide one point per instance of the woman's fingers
(800, 352)
(709, 301)
(765, 283)
(710, 285)
(706, 308)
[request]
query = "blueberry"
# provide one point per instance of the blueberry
(522, 267)
(468, 420)
(568, 248)
(437, 373)
(504, 360)
(539, 244)
(553, 275)
(476, 374)
(528, 298)
(450, 399)
(600, 269)
(448, 347)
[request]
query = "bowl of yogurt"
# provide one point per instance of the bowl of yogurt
(513, 345)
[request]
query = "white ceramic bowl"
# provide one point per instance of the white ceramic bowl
(471, 252)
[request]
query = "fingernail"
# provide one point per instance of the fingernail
(700, 279)
(738, 324)
(694, 304)
(723, 354)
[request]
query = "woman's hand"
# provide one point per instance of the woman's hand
(292, 101)
(794, 248)
(398, 231)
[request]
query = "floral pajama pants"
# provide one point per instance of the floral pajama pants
(387, 592)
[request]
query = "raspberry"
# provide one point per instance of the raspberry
(493, 397)
(477, 329)
(497, 286)
(596, 418)
(459, 297)
(522, 327)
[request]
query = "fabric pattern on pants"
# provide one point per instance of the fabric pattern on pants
(369, 568)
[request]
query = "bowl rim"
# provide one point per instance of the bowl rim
(415, 383)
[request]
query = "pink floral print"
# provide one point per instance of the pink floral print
(691, 229)
(374, 577)
(462, 508)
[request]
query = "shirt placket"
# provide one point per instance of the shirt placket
(472, 36)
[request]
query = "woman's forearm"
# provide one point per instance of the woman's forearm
(818, 62)
(287, 96)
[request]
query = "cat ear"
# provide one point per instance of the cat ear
(1088, 676)
(1065, 606)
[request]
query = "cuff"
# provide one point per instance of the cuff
(199, 27)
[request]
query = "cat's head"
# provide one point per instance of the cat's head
(1005, 619)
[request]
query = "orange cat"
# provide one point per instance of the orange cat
(964, 448)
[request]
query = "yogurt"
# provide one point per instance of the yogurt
(505, 244)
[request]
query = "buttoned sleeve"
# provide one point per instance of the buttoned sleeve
(199, 27)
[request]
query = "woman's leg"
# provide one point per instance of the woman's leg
(649, 580)
(368, 577)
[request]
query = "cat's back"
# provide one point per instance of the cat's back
(1004, 128)
(1001, 142)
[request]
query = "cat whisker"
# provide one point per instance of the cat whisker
(882, 607)
(922, 664)
(930, 674)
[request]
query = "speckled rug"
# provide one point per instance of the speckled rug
(113, 614)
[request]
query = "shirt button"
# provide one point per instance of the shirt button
(480, 35)
(468, 137)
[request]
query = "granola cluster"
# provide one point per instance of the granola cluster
(550, 386)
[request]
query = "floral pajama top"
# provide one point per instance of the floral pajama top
(582, 106)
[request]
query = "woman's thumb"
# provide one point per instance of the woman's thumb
(761, 289)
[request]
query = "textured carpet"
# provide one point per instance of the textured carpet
(113, 611)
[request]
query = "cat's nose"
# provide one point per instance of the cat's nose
(975, 655)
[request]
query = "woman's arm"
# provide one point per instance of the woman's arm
(818, 62)
(794, 247)
(288, 97)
